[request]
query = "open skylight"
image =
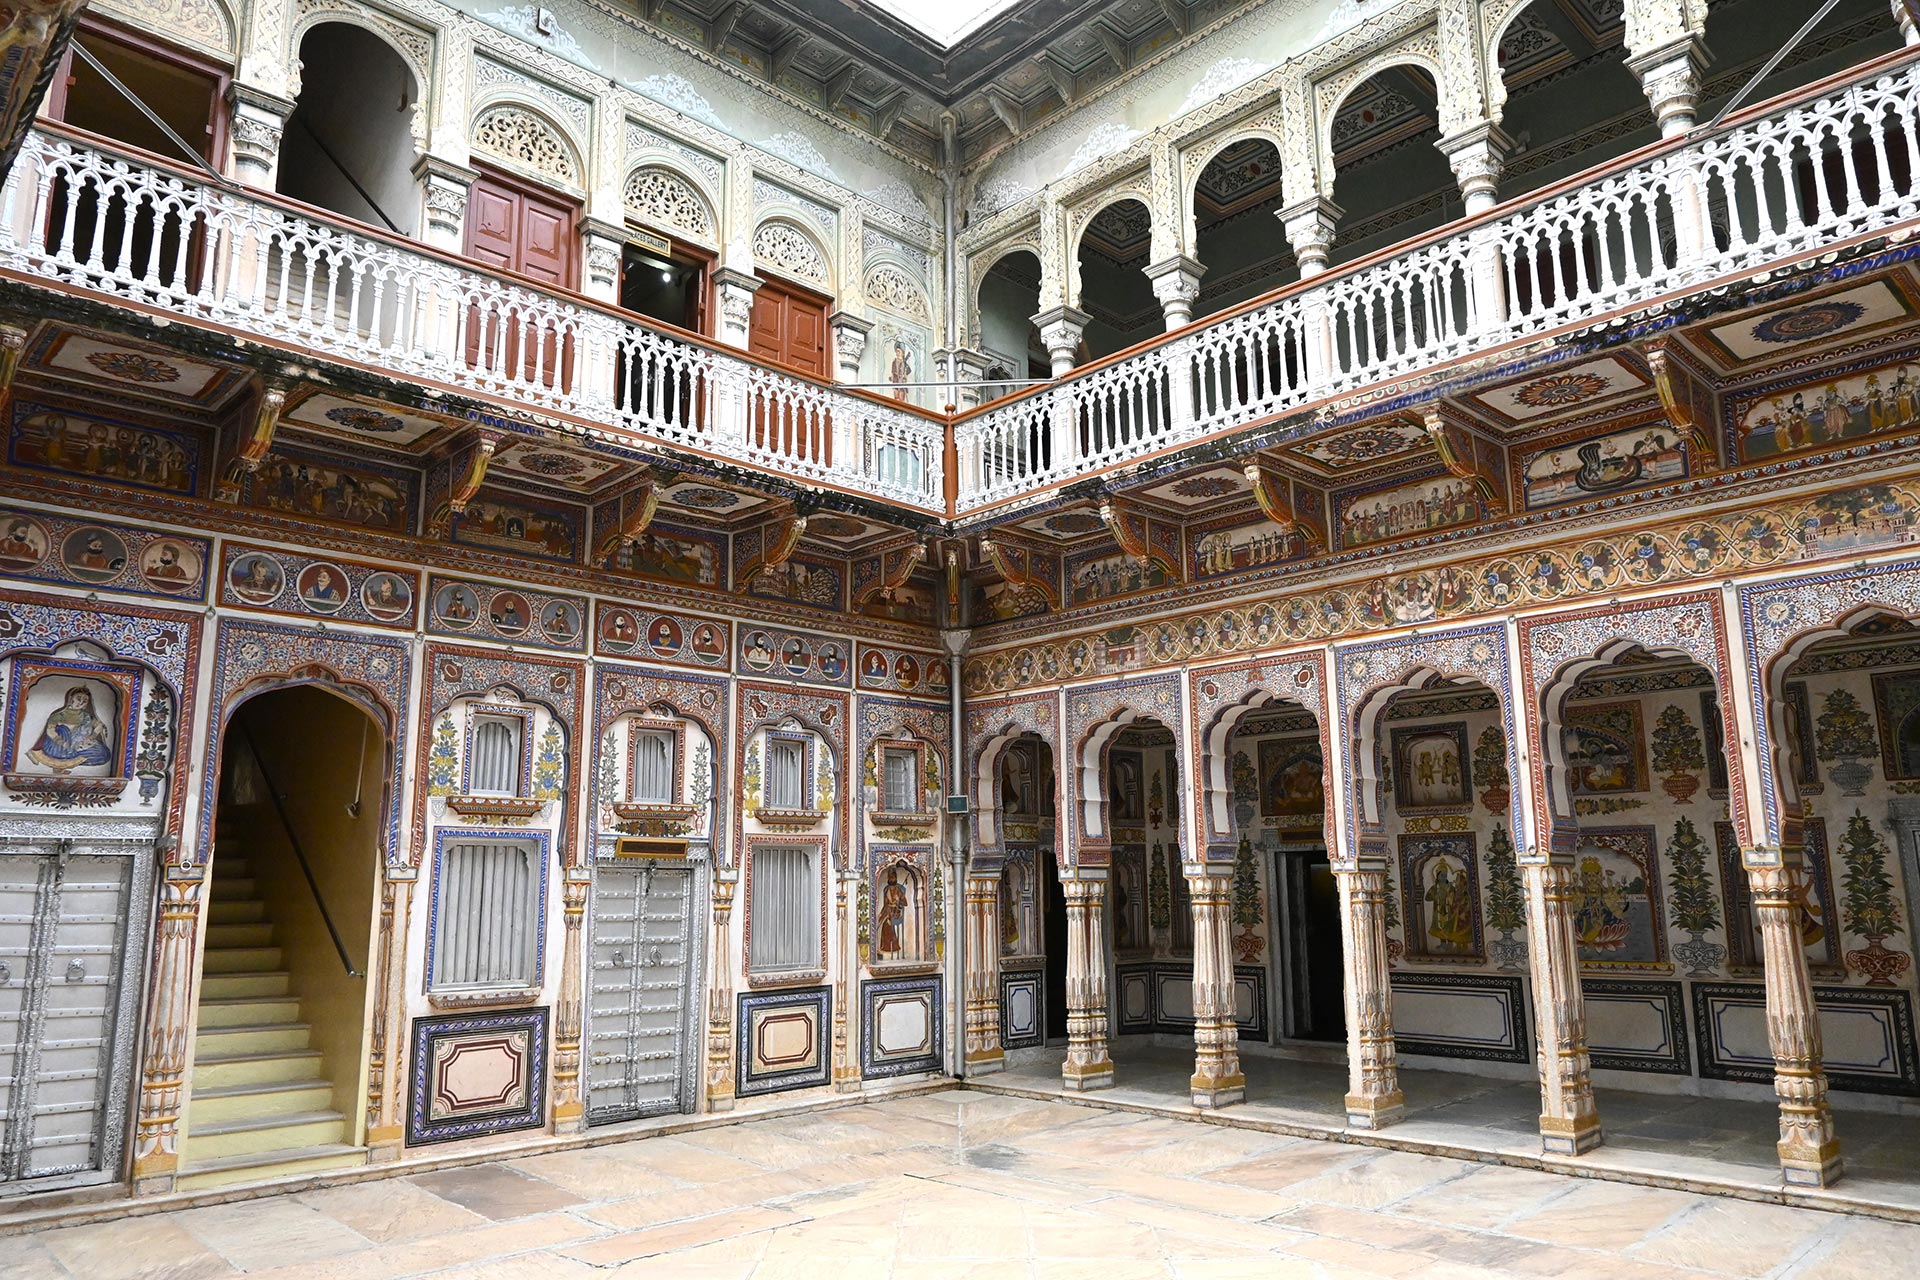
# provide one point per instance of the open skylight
(947, 22)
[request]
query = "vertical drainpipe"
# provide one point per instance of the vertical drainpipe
(956, 644)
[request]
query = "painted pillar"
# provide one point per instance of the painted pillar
(1809, 1150)
(1374, 1100)
(720, 999)
(386, 1125)
(1088, 1065)
(984, 1052)
(170, 1011)
(1217, 1078)
(846, 1050)
(569, 1111)
(1569, 1121)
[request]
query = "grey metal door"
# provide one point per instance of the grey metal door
(66, 920)
(641, 983)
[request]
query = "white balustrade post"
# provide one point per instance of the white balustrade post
(1309, 227)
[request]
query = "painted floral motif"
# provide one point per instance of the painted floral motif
(443, 759)
(1871, 911)
(1696, 908)
(549, 769)
(705, 499)
(1807, 323)
(557, 465)
(1506, 900)
(132, 366)
(1562, 390)
(361, 418)
(1073, 522)
(1203, 487)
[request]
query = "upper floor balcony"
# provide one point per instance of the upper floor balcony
(1822, 171)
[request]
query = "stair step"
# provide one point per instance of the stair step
(229, 1041)
(255, 1101)
(255, 1134)
(242, 959)
(228, 862)
(200, 1175)
(251, 933)
(242, 889)
(236, 911)
(249, 1011)
(242, 985)
(219, 1071)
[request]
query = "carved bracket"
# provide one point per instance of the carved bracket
(1675, 383)
(779, 537)
(253, 449)
(896, 566)
(1133, 531)
(1274, 493)
(1459, 451)
(1020, 567)
(473, 473)
(638, 509)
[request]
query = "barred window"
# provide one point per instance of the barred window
(494, 769)
(786, 774)
(786, 909)
(653, 767)
(899, 780)
(487, 908)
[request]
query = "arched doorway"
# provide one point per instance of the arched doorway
(1007, 301)
(1114, 291)
(1235, 199)
(348, 145)
(280, 1054)
(1389, 177)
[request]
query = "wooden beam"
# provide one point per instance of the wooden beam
(720, 30)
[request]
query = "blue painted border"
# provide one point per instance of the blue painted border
(747, 1083)
(872, 1067)
(421, 1131)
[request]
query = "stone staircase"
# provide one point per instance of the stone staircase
(261, 1105)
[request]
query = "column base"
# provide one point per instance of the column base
(569, 1124)
(986, 1062)
(1809, 1166)
(1211, 1092)
(152, 1184)
(719, 1104)
(1376, 1113)
(385, 1144)
(1088, 1078)
(1559, 1137)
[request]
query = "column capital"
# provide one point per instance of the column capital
(1478, 157)
(258, 120)
(1670, 77)
(1310, 226)
(735, 289)
(1061, 329)
(1176, 283)
(603, 242)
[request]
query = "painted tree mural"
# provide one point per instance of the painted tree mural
(1871, 911)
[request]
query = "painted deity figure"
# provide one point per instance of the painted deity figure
(893, 916)
(73, 736)
(1009, 916)
(1450, 921)
(1600, 918)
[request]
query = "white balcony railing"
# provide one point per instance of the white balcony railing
(1778, 184)
(118, 224)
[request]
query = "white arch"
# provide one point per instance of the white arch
(564, 166)
(703, 228)
(782, 241)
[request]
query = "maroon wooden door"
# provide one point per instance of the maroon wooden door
(526, 232)
(789, 327)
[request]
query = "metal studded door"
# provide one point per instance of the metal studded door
(638, 1036)
(66, 1012)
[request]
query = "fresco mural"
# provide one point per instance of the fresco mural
(1407, 509)
(47, 438)
(1623, 460)
(1799, 418)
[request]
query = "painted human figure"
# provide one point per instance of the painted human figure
(1009, 914)
(73, 736)
(1450, 925)
(893, 916)
(899, 370)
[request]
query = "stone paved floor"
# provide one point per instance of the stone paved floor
(971, 1184)
(1653, 1133)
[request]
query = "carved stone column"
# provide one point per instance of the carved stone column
(170, 1018)
(846, 1048)
(849, 344)
(720, 999)
(734, 290)
(443, 201)
(386, 1068)
(1217, 1078)
(1478, 157)
(984, 1052)
(1670, 77)
(1909, 21)
(601, 244)
(1088, 1065)
(569, 1110)
(1569, 1122)
(258, 121)
(1310, 226)
(1061, 328)
(1809, 1151)
(1374, 1100)
(1176, 283)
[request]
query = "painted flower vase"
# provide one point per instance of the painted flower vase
(1510, 953)
(1880, 966)
(1680, 785)
(1851, 775)
(1495, 798)
(1701, 957)
(1247, 946)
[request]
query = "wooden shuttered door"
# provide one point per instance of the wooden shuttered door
(530, 233)
(789, 327)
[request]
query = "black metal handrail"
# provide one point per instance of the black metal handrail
(293, 839)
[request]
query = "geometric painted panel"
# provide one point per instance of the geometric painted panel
(1446, 1015)
(900, 1027)
(476, 1074)
(1637, 1026)
(1868, 1035)
(1173, 1000)
(1134, 986)
(783, 1040)
(1023, 1009)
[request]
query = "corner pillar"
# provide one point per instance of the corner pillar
(170, 1026)
(735, 290)
(1310, 227)
(569, 1110)
(1478, 158)
(1670, 77)
(387, 1067)
(1569, 1120)
(444, 188)
(720, 999)
(1217, 1078)
(849, 344)
(1176, 283)
(1061, 329)
(1809, 1150)
(1088, 1065)
(1374, 1100)
(984, 1052)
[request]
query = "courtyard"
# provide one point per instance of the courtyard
(964, 1183)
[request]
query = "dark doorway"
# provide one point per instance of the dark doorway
(180, 89)
(669, 286)
(348, 146)
(1053, 925)
(1312, 960)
